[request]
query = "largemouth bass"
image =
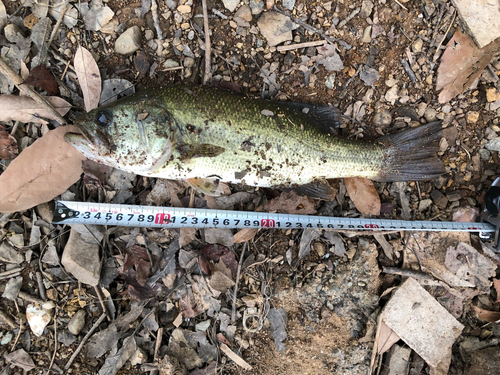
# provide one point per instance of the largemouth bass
(202, 132)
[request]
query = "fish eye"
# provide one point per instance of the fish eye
(104, 118)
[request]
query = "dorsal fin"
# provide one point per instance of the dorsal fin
(326, 118)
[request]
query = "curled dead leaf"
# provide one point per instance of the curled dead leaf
(364, 195)
(42, 171)
(245, 234)
(290, 203)
(8, 145)
(486, 315)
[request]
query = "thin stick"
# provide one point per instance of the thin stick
(7, 319)
(30, 298)
(59, 21)
(101, 300)
(87, 336)
(233, 312)
(436, 54)
(41, 287)
(159, 336)
(207, 77)
(156, 21)
(14, 78)
(55, 342)
(401, 5)
(191, 198)
(302, 45)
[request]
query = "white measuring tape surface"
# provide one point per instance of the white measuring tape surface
(67, 212)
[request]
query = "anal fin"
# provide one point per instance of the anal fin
(319, 189)
(211, 186)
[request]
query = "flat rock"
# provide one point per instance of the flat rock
(288, 4)
(493, 144)
(366, 9)
(231, 4)
(9, 254)
(129, 41)
(77, 322)
(257, 6)
(481, 18)
(81, 259)
(276, 28)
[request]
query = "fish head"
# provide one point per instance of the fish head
(132, 135)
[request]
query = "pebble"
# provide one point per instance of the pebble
(492, 95)
(231, 4)
(6, 338)
(484, 154)
(367, 38)
(129, 41)
(276, 28)
(424, 204)
(256, 5)
(446, 108)
(382, 118)
(202, 326)
(392, 95)
(443, 145)
(430, 8)
(465, 214)
(330, 81)
(184, 9)
(366, 9)
(430, 114)
(77, 322)
(191, 35)
(149, 34)
(493, 144)
(320, 248)
(188, 62)
(417, 45)
(290, 58)
(244, 12)
(472, 117)
(288, 4)
(439, 199)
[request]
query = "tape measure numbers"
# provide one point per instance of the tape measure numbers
(67, 212)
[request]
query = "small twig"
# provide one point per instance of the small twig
(401, 5)
(172, 68)
(219, 13)
(207, 77)
(7, 319)
(349, 17)
(98, 292)
(302, 45)
(233, 312)
(407, 273)
(436, 54)
(30, 298)
(64, 8)
(235, 357)
(87, 336)
(55, 342)
(21, 327)
(14, 78)
(14, 128)
(159, 336)
(41, 287)
(156, 21)
(191, 198)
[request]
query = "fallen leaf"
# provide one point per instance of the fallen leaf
(3, 16)
(223, 339)
(115, 361)
(364, 195)
(95, 15)
(20, 359)
(188, 307)
(278, 320)
(486, 315)
(41, 77)
(42, 171)
(25, 109)
(8, 145)
(220, 282)
(462, 62)
(245, 234)
(138, 291)
(308, 236)
(138, 256)
(386, 339)
(187, 235)
(114, 88)
(89, 77)
(496, 284)
(290, 203)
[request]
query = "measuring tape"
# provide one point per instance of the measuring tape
(171, 217)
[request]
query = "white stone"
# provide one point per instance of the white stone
(129, 41)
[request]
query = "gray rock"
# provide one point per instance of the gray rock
(484, 154)
(366, 8)
(369, 75)
(129, 41)
(493, 144)
(439, 199)
(417, 45)
(81, 259)
(188, 62)
(367, 35)
(276, 28)
(330, 81)
(218, 235)
(77, 322)
(231, 4)
(289, 4)
(169, 63)
(256, 6)
(424, 204)
(244, 12)
(482, 18)
(9, 254)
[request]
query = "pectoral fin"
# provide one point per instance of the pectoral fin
(205, 150)
(319, 189)
(211, 186)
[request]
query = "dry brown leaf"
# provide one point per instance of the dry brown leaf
(41, 77)
(89, 77)
(462, 62)
(387, 337)
(25, 109)
(496, 284)
(188, 307)
(486, 315)
(8, 145)
(290, 203)
(41, 172)
(187, 235)
(245, 234)
(363, 194)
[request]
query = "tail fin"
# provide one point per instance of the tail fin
(411, 154)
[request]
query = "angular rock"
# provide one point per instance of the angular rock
(129, 41)
(439, 199)
(10, 255)
(218, 235)
(482, 18)
(288, 4)
(256, 6)
(81, 259)
(245, 13)
(276, 28)
(493, 144)
(366, 9)
(231, 4)
(77, 322)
